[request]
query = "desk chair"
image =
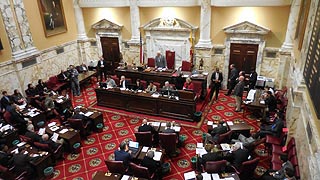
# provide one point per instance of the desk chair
(186, 66)
(144, 138)
(151, 62)
(215, 166)
(78, 124)
(141, 172)
(225, 137)
(116, 166)
(247, 168)
(168, 141)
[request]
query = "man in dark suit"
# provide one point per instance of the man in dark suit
(220, 129)
(238, 92)
(253, 78)
(34, 96)
(22, 163)
(160, 61)
(5, 158)
(271, 101)
(216, 79)
(123, 154)
(31, 134)
(46, 140)
(274, 129)
(18, 119)
(102, 68)
(145, 127)
(5, 100)
(237, 155)
(232, 79)
(124, 83)
(210, 156)
(168, 128)
(150, 163)
(281, 173)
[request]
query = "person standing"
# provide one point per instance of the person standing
(73, 76)
(102, 68)
(232, 79)
(238, 92)
(216, 79)
(160, 61)
(253, 78)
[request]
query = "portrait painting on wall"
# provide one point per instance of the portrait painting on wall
(53, 19)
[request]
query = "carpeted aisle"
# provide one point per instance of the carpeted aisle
(120, 125)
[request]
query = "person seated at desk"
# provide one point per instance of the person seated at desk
(274, 129)
(62, 76)
(150, 163)
(123, 154)
(160, 61)
(83, 68)
(151, 88)
(41, 87)
(5, 157)
(237, 155)
(34, 95)
(217, 131)
(167, 86)
(188, 85)
(18, 98)
(31, 134)
(168, 128)
(270, 100)
(110, 82)
(281, 173)
(50, 106)
(145, 127)
(78, 115)
(21, 162)
(212, 155)
(5, 100)
(18, 120)
(267, 88)
(138, 85)
(124, 83)
(52, 145)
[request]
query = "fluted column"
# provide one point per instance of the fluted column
(205, 24)
(135, 22)
(80, 23)
(292, 25)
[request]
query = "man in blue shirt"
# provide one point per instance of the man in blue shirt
(123, 154)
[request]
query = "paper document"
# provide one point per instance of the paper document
(154, 123)
(177, 128)
(42, 131)
(210, 123)
(262, 102)
(63, 131)
(60, 97)
(206, 175)
(189, 175)
(15, 151)
(54, 128)
(33, 114)
(133, 144)
(201, 151)
(225, 147)
(215, 176)
(157, 156)
(6, 127)
(145, 149)
(54, 137)
(59, 100)
(199, 145)
(122, 89)
(52, 124)
(125, 177)
(21, 144)
(230, 123)
(155, 95)
(185, 75)
(23, 106)
(89, 113)
(205, 73)
(214, 125)
(251, 94)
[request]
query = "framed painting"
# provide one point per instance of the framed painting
(52, 16)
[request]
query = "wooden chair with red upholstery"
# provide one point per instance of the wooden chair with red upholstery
(78, 124)
(158, 85)
(116, 79)
(144, 138)
(225, 137)
(197, 88)
(151, 62)
(144, 84)
(186, 66)
(141, 172)
(168, 141)
(247, 168)
(116, 166)
(215, 166)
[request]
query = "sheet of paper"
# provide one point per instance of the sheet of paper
(154, 123)
(89, 113)
(185, 75)
(210, 123)
(157, 155)
(60, 97)
(214, 125)
(122, 89)
(205, 73)
(163, 124)
(206, 175)
(177, 128)
(59, 100)
(201, 151)
(32, 114)
(251, 94)
(54, 137)
(225, 147)
(215, 176)
(52, 124)
(21, 144)
(133, 144)
(262, 102)
(145, 149)
(189, 175)
(6, 127)
(63, 131)
(230, 123)
(155, 95)
(199, 145)
(125, 177)
(23, 106)
(54, 128)
(15, 151)
(42, 131)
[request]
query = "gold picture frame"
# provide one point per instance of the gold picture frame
(52, 17)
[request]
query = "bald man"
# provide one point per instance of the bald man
(238, 92)
(160, 61)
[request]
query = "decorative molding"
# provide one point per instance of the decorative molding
(246, 27)
(182, 3)
(170, 24)
(106, 24)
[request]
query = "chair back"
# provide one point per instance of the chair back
(225, 137)
(197, 87)
(170, 57)
(42, 146)
(168, 141)
(144, 138)
(186, 66)
(158, 85)
(140, 171)
(25, 139)
(76, 124)
(7, 117)
(116, 166)
(215, 166)
(116, 79)
(248, 167)
(151, 62)
(144, 84)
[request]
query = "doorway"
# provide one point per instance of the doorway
(244, 56)
(111, 52)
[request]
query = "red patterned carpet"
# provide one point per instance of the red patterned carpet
(120, 125)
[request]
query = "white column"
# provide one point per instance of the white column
(205, 24)
(292, 25)
(135, 22)
(80, 23)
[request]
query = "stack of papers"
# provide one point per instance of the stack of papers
(89, 113)
(225, 147)
(189, 175)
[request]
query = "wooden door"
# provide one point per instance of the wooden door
(244, 56)
(111, 52)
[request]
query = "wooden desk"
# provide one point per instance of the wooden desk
(96, 117)
(70, 137)
(143, 103)
(143, 154)
(256, 105)
(100, 175)
(85, 77)
(170, 75)
(240, 128)
(35, 119)
(10, 135)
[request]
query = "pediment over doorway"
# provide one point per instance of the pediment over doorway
(173, 24)
(246, 27)
(106, 24)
